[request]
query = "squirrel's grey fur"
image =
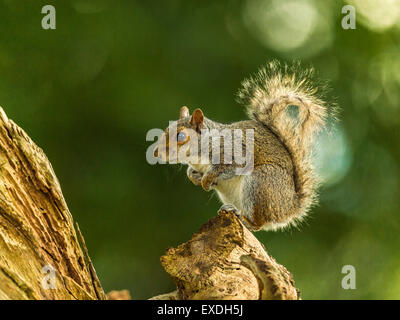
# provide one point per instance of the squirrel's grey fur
(283, 184)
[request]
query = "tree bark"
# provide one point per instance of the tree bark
(42, 256)
(224, 260)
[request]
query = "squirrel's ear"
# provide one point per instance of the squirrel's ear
(197, 119)
(184, 112)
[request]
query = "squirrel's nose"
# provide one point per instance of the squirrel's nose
(156, 152)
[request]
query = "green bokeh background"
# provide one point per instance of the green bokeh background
(89, 91)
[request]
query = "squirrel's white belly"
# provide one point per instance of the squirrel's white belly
(230, 191)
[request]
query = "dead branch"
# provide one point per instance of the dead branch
(224, 260)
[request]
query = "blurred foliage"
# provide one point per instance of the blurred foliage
(88, 92)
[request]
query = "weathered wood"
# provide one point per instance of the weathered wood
(119, 295)
(36, 228)
(224, 260)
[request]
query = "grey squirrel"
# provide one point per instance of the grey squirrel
(282, 185)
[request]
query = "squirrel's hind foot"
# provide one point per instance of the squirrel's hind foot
(231, 208)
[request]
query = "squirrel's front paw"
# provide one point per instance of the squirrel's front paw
(207, 182)
(194, 176)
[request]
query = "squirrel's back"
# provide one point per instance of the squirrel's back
(284, 99)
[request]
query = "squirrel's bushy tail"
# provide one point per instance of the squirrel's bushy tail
(284, 98)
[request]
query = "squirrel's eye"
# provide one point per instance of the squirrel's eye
(181, 137)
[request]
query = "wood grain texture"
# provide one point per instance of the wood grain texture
(36, 227)
(224, 260)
